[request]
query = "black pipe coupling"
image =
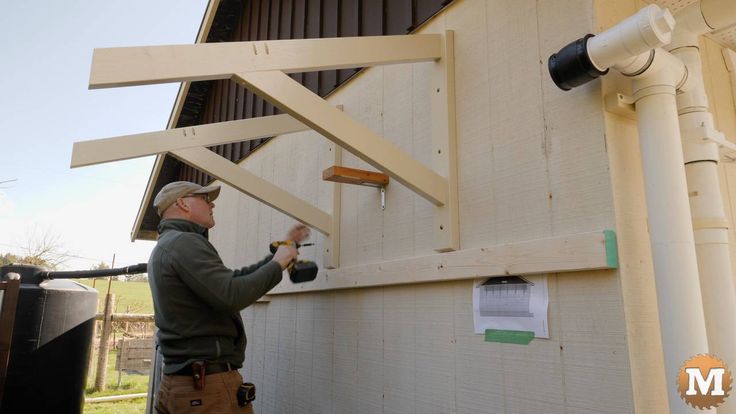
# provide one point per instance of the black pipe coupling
(571, 66)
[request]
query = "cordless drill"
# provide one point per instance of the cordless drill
(299, 271)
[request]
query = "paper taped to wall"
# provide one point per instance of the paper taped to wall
(511, 303)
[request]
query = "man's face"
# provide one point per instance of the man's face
(200, 209)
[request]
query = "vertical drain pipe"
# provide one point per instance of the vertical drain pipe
(671, 235)
(709, 220)
(656, 75)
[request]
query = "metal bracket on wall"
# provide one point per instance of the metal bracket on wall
(262, 67)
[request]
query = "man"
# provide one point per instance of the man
(197, 303)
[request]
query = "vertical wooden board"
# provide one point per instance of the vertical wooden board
(479, 384)
(580, 188)
(345, 359)
(323, 352)
(370, 217)
(423, 211)
(398, 228)
(636, 272)
(225, 237)
(399, 343)
(349, 215)
(370, 351)
(304, 363)
(285, 369)
(473, 111)
(265, 235)
(349, 196)
(519, 158)
(434, 355)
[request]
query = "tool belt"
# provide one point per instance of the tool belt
(198, 370)
(209, 368)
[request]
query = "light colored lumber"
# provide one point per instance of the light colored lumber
(127, 317)
(444, 146)
(126, 66)
(585, 251)
(256, 187)
(331, 257)
(302, 104)
(139, 145)
(115, 398)
(347, 175)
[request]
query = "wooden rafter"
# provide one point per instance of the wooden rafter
(125, 66)
(139, 145)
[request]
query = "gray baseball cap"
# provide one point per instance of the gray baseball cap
(172, 191)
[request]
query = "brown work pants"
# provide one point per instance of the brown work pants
(177, 395)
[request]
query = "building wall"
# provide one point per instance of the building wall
(533, 163)
(636, 273)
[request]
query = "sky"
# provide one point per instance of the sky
(45, 56)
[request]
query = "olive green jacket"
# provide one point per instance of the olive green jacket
(197, 300)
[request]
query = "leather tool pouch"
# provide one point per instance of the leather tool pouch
(198, 374)
(246, 393)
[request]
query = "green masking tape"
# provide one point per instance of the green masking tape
(509, 337)
(611, 249)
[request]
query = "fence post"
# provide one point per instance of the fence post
(101, 377)
(93, 352)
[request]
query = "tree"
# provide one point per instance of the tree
(44, 248)
(40, 248)
(101, 266)
(9, 258)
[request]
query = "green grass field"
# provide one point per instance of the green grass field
(135, 296)
(129, 384)
(131, 297)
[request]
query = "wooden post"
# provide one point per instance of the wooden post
(91, 365)
(121, 352)
(101, 376)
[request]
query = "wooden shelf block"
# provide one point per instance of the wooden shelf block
(347, 175)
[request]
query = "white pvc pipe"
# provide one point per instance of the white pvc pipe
(708, 214)
(650, 27)
(671, 235)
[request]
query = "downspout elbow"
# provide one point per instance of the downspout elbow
(591, 56)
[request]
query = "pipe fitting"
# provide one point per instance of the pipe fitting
(698, 137)
(627, 43)
(649, 28)
(572, 67)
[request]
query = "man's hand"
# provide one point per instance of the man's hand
(298, 233)
(284, 255)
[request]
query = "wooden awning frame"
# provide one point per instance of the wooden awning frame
(262, 67)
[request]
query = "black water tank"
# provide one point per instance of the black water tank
(50, 349)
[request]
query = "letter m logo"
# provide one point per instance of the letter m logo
(714, 381)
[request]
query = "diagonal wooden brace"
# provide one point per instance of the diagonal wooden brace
(299, 102)
(256, 187)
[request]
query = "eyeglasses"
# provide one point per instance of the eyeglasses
(205, 197)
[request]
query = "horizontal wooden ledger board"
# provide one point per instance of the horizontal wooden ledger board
(572, 253)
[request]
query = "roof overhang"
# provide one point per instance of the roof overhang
(163, 160)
